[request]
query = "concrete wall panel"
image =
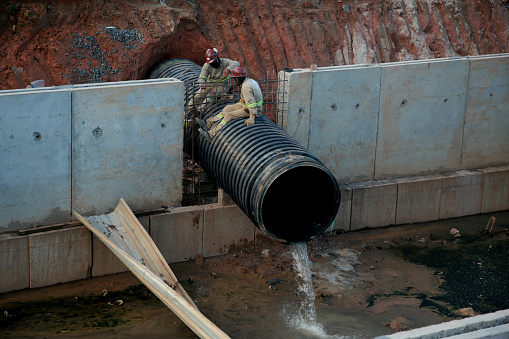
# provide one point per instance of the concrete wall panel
(299, 105)
(495, 196)
(486, 136)
(374, 204)
(421, 118)
(226, 228)
(418, 199)
(15, 264)
(127, 142)
(60, 256)
(342, 221)
(35, 158)
(461, 194)
(178, 234)
(344, 118)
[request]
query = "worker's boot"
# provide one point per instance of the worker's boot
(205, 134)
(202, 123)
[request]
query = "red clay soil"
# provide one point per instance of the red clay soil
(71, 42)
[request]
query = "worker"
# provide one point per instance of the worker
(250, 105)
(214, 77)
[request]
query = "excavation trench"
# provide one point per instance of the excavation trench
(286, 191)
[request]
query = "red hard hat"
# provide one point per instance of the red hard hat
(210, 55)
(238, 72)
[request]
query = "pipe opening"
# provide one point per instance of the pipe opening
(300, 204)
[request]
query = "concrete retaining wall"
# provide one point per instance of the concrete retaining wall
(380, 203)
(182, 233)
(83, 147)
(491, 325)
(428, 134)
(393, 120)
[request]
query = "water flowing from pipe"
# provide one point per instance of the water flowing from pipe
(305, 318)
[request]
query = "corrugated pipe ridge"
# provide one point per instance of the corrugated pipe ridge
(286, 192)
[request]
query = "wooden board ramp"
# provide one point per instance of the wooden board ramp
(123, 234)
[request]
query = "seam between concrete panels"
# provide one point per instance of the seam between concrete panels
(378, 120)
(310, 109)
(29, 261)
(467, 89)
(351, 211)
(482, 192)
(71, 158)
(202, 247)
(440, 198)
(396, 205)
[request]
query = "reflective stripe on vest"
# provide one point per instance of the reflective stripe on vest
(259, 103)
(216, 81)
(223, 122)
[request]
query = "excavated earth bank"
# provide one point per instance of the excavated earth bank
(71, 42)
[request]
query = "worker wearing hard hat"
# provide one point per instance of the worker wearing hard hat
(214, 77)
(250, 105)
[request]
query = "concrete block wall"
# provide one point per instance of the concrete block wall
(83, 147)
(404, 119)
(60, 256)
(423, 198)
(182, 233)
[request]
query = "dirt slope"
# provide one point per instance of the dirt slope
(66, 42)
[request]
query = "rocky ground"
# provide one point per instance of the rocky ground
(71, 42)
(367, 283)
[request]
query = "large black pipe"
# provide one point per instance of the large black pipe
(286, 191)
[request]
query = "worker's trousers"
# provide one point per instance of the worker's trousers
(230, 112)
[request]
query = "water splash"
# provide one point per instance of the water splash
(305, 319)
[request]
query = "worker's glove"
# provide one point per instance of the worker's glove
(226, 72)
(250, 121)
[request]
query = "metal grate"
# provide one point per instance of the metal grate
(197, 187)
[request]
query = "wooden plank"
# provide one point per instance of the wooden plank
(183, 307)
(124, 230)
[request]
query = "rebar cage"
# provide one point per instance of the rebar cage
(197, 187)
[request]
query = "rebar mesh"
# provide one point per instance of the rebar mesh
(197, 187)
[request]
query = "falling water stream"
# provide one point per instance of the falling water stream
(305, 319)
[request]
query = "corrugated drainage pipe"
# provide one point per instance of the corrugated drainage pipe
(286, 191)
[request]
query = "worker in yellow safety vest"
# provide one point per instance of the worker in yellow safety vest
(250, 105)
(214, 77)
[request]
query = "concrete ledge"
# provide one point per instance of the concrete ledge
(495, 196)
(461, 194)
(418, 199)
(226, 228)
(15, 264)
(497, 332)
(342, 222)
(60, 256)
(456, 327)
(178, 234)
(374, 204)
